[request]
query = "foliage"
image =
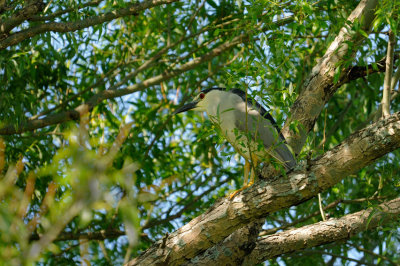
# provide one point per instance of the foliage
(130, 168)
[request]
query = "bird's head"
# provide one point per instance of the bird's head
(203, 100)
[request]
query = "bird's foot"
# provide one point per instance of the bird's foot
(233, 194)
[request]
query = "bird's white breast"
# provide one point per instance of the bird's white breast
(220, 107)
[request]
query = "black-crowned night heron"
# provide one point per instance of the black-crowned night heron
(246, 125)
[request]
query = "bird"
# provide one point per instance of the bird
(246, 125)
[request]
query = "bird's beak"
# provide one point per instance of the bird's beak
(186, 107)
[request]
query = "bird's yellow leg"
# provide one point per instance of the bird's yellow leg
(253, 171)
(247, 166)
(246, 173)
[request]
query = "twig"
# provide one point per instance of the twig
(388, 75)
(321, 209)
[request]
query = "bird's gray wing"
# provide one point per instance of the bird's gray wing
(263, 130)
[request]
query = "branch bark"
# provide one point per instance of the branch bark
(323, 232)
(319, 86)
(217, 255)
(359, 150)
(233, 249)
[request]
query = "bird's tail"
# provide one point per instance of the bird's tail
(285, 156)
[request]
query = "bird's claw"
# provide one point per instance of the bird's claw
(233, 194)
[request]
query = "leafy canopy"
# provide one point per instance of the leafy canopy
(111, 170)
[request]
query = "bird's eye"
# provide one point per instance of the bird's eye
(202, 95)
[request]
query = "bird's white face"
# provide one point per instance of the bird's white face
(200, 106)
(209, 102)
(214, 102)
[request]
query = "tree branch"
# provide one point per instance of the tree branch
(216, 256)
(352, 73)
(32, 8)
(233, 249)
(81, 24)
(227, 250)
(316, 213)
(388, 75)
(394, 94)
(320, 86)
(395, 79)
(99, 235)
(323, 232)
(359, 150)
(110, 94)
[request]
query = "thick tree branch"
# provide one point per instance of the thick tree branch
(323, 232)
(359, 150)
(233, 249)
(81, 24)
(223, 252)
(319, 86)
